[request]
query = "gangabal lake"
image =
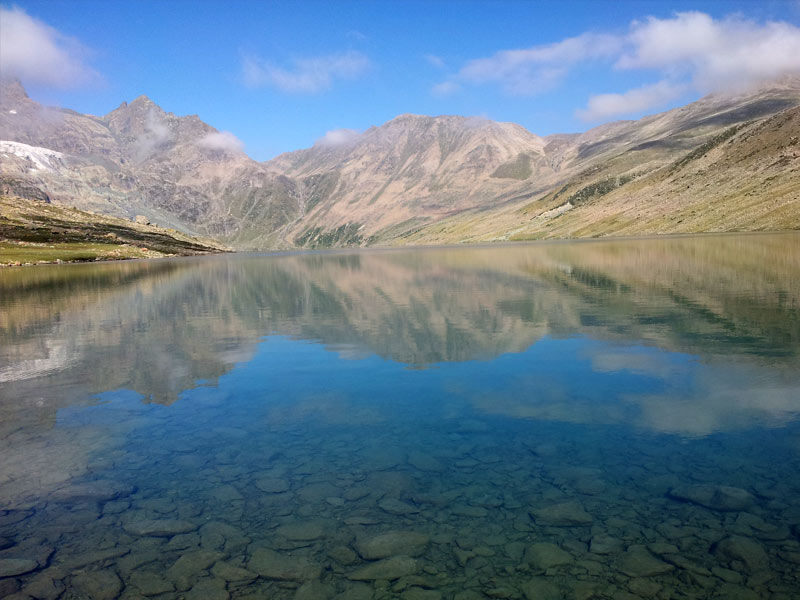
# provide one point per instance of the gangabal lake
(576, 420)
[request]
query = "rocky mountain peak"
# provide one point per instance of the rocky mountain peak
(12, 93)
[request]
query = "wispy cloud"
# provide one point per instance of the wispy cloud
(222, 140)
(155, 136)
(445, 88)
(690, 51)
(305, 75)
(338, 137)
(603, 106)
(435, 61)
(530, 71)
(36, 53)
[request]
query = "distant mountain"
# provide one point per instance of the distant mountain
(721, 163)
(177, 171)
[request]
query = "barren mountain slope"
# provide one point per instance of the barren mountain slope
(451, 179)
(138, 159)
(417, 179)
(411, 170)
(738, 173)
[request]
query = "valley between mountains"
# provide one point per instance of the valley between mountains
(723, 163)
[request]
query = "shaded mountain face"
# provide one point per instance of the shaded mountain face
(418, 179)
(177, 171)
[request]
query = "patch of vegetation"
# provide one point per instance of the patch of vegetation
(320, 187)
(344, 235)
(24, 253)
(703, 149)
(33, 231)
(404, 229)
(520, 168)
(599, 188)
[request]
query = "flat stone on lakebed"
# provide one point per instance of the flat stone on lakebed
(388, 568)
(159, 527)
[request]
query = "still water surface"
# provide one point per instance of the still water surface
(611, 419)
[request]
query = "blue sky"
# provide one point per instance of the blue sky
(279, 75)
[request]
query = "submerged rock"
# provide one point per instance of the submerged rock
(98, 585)
(272, 485)
(228, 572)
(273, 565)
(424, 462)
(540, 588)
(343, 555)
(302, 531)
(544, 555)
(98, 491)
(9, 567)
(314, 590)
(393, 543)
(397, 507)
(159, 527)
(388, 568)
(208, 589)
(715, 497)
(604, 544)
(638, 562)
(418, 593)
(744, 550)
(189, 567)
(151, 583)
(43, 587)
(562, 514)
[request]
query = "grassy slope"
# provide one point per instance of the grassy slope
(37, 232)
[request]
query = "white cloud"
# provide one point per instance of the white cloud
(715, 55)
(530, 71)
(445, 88)
(338, 137)
(36, 53)
(307, 75)
(156, 135)
(688, 51)
(435, 61)
(603, 106)
(222, 140)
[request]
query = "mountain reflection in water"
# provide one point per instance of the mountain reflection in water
(731, 303)
(578, 419)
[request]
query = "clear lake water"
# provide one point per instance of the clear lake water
(584, 420)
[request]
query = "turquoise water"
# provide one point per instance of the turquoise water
(611, 419)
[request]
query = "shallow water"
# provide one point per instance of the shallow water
(610, 419)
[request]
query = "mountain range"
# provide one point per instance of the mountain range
(723, 163)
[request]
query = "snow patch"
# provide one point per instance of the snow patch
(43, 159)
